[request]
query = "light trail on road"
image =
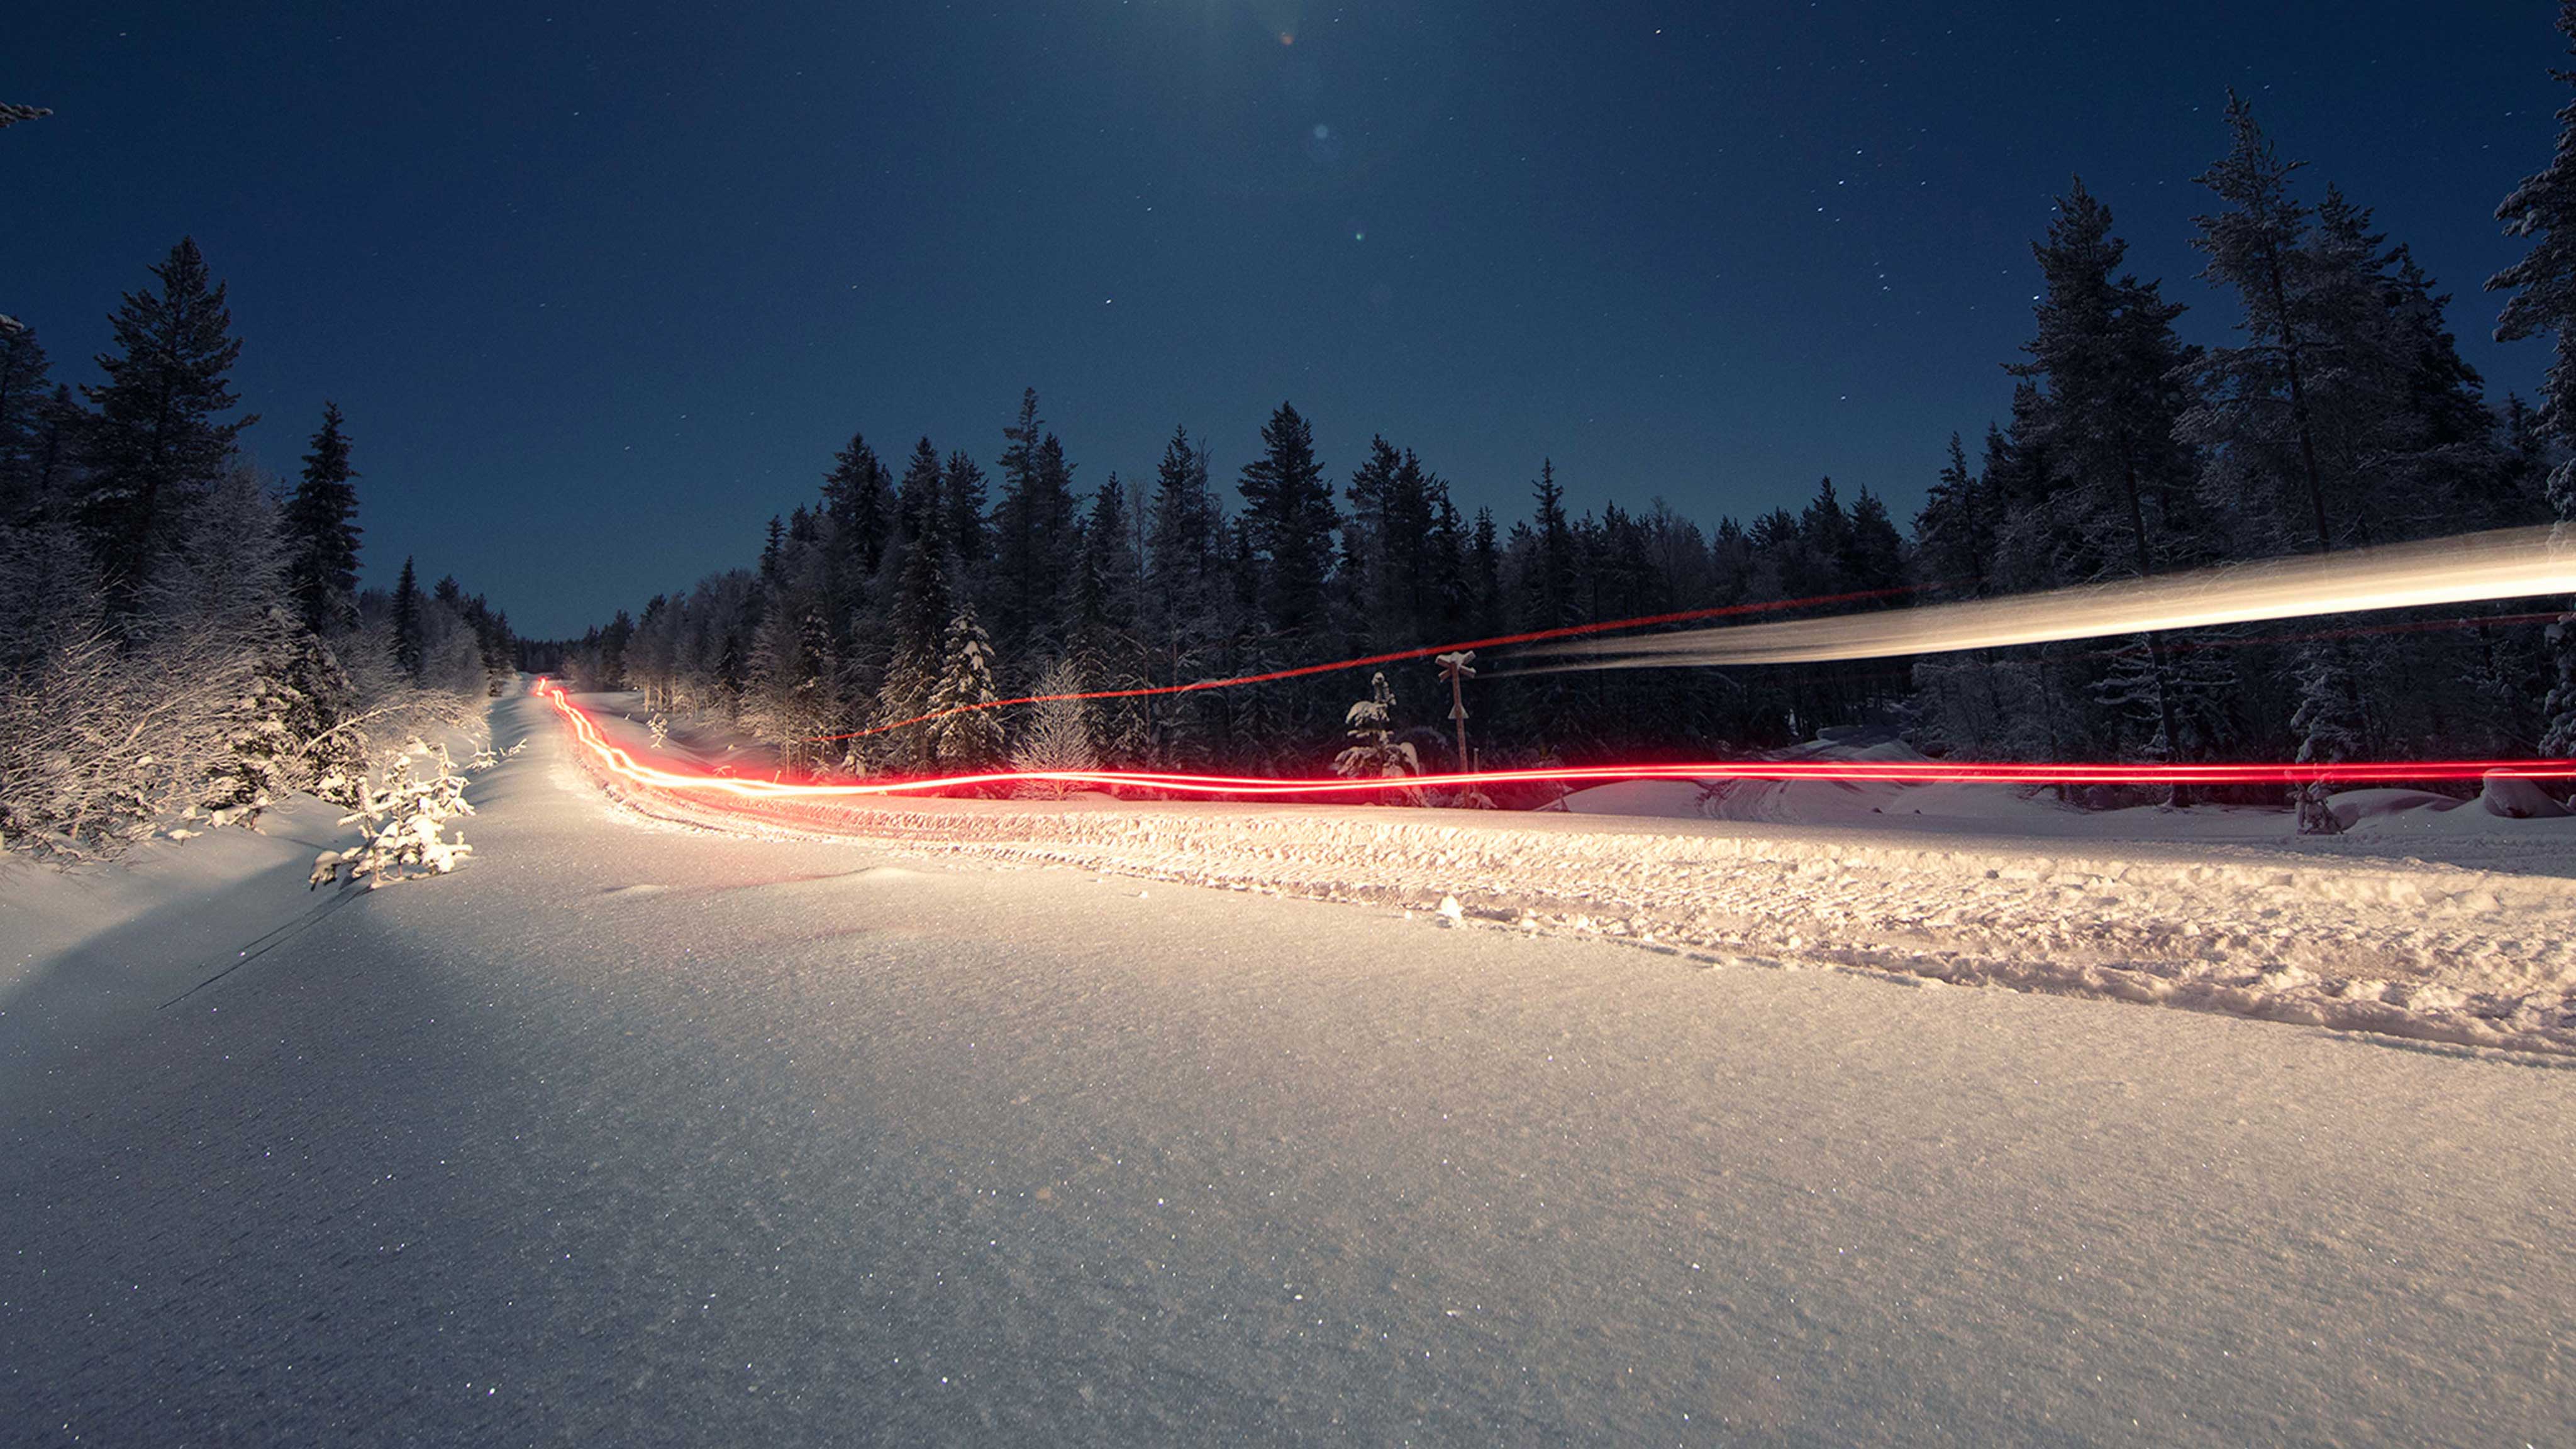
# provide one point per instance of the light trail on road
(625, 766)
(2477, 568)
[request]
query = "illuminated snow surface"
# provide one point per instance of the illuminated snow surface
(637, 1133)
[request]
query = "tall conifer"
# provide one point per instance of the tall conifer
(160, 436)
(322, 531)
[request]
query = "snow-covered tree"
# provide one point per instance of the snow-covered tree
(1185, 604)
(2108, 363)
(1375, 752)
(1059, 735)
(788, 700)
(407, 822)
(160, 436)
(966, 732)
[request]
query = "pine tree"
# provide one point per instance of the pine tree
(407, 623)
(2543, 210)
(159, 437)
(322, 532)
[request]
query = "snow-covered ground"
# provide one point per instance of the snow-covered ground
(89, 951)
(2216, 909)
(637, 1133)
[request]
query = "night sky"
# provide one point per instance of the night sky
(601, 287)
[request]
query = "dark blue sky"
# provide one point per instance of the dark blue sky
(601, 287)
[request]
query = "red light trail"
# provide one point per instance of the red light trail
(624, 765)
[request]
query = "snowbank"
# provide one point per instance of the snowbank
(2324, 934)
(89, 949)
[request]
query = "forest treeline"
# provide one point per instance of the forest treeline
(181, 637)
(2340, 414)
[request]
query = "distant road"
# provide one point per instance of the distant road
(630, 1134)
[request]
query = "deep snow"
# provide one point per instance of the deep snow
(633, 1133)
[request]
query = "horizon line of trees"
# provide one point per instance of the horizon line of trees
(2341, 415)
(181, 637)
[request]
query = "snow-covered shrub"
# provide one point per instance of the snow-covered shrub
(1059, 734)
(406, 819)
(1378, 753)
(192, 698)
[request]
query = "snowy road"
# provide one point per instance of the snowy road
(628, 1134)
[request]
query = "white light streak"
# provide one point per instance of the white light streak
(2506, 564)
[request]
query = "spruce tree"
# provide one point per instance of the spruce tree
(1485, 578)
(322, 532)
(1367, 565)
(2258, 416)
(967, 734)
(1104, 618)
(773, 552)
(923, 603)
(2253, 247)
(1548, 592)
(160, 437)
(1034, 543)
(917, 509)
(1289, 518)
(1185, 596)
(24, 387)
(407, 622)
(1951, 535)
(857, 498)
(2109, 364)
(961, 491)
(1104, 637)
(1184, 550)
